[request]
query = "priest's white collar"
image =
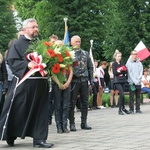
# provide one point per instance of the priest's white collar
(27, 37)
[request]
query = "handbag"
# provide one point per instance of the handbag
(147, 85)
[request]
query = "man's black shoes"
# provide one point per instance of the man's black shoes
(59, 130)
(65, 130)
(120, 113)
(43, 145)
(125, 111)
(139, 111)
(10, 141)
(72, 127)
(85, 126)
(131, 111)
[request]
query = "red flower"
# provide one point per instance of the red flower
(51, 53)
(67, 54)
(56, 68)
(60, 58)
(47, 43)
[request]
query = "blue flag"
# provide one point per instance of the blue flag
(66, 36)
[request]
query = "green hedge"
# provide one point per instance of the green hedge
(106, 99)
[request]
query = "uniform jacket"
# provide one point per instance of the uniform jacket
(82, 67)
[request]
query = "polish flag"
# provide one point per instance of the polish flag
(142, 51)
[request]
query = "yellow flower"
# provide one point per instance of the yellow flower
(56, 50)
(66, 58)
(62, 66)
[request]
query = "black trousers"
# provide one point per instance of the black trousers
(120, 87)
(51, 105)
(137, 94)
(95, 90)
(61, 102)
(82, 90)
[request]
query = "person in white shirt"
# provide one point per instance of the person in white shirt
(101, 73)
(95, 88)
(145, 84)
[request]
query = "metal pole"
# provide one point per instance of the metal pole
(65, 20)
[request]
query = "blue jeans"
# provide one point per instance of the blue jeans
(145, 89)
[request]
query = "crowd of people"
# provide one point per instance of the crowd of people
(28, 108)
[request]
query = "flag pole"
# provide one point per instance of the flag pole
(65, 20)
(91, 54)
(66, 36)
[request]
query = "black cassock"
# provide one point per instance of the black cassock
(28, 113)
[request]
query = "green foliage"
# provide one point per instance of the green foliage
(106, 99)
(40, 10)
(7, 22)
(131, 24)
(112, 24)
(83, 19)
(90, 101)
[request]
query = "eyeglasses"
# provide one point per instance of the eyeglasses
(134, 54)
(33, 27)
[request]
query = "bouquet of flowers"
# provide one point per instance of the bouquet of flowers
(58, 59)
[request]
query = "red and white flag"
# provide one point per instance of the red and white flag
(142, 51)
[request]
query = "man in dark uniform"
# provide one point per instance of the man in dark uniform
(82, 73)
(25, 110)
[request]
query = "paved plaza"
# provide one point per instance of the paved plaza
(110, 132)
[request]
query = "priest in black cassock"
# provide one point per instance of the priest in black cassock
(25, 111)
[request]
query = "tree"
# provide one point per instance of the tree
(112, 24)
(87, 21)
(40, 10)
(8, 29)
(132, 25)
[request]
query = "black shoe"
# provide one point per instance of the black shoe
(98, 107)
(125, 111)
(43, 145)
(131, 111)
(120, 113)
(59, 130)
(112, 106)
(10, 141)
(72, 127)
(94, 108)
(65, 130)
(85, 126)
(139, 111)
